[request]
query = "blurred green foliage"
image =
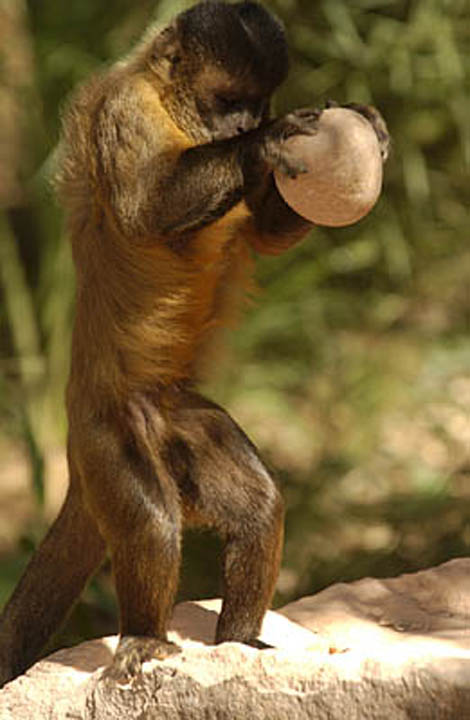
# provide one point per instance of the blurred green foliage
(352, 368)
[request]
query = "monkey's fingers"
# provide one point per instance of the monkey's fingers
(378, 123)
(278, 157)
(300, 122)
(289, 166)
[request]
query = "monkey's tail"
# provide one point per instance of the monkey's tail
(71, 551)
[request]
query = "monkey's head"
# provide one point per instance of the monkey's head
(217, 66)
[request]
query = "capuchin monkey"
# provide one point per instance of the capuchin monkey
(166, 174)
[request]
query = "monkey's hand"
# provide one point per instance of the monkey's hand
(275, 226)
(376, 120)
(273, 149)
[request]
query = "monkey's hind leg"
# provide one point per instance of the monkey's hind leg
(252, 555)
(71, 551)
(138, 512)
(225, 485)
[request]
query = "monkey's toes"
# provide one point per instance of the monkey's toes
(259, 644)
(133, 651)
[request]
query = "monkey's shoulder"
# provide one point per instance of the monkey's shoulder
(122, 109)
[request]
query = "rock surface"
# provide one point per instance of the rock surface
(397, 648)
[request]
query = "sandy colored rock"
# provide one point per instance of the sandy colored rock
(431, 607)
(396, 649)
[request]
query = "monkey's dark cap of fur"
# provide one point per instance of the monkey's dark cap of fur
(242, 36)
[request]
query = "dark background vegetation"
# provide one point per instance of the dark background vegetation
(351, 371)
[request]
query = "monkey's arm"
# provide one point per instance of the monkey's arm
(210, 179)
(273, 226)
(156, 184)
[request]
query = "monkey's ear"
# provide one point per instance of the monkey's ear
(165, 53)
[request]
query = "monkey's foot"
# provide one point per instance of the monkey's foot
(259, 644)
(251, 642)
(133, 651)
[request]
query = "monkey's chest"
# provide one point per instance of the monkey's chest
(193, 295)
(221, 268)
